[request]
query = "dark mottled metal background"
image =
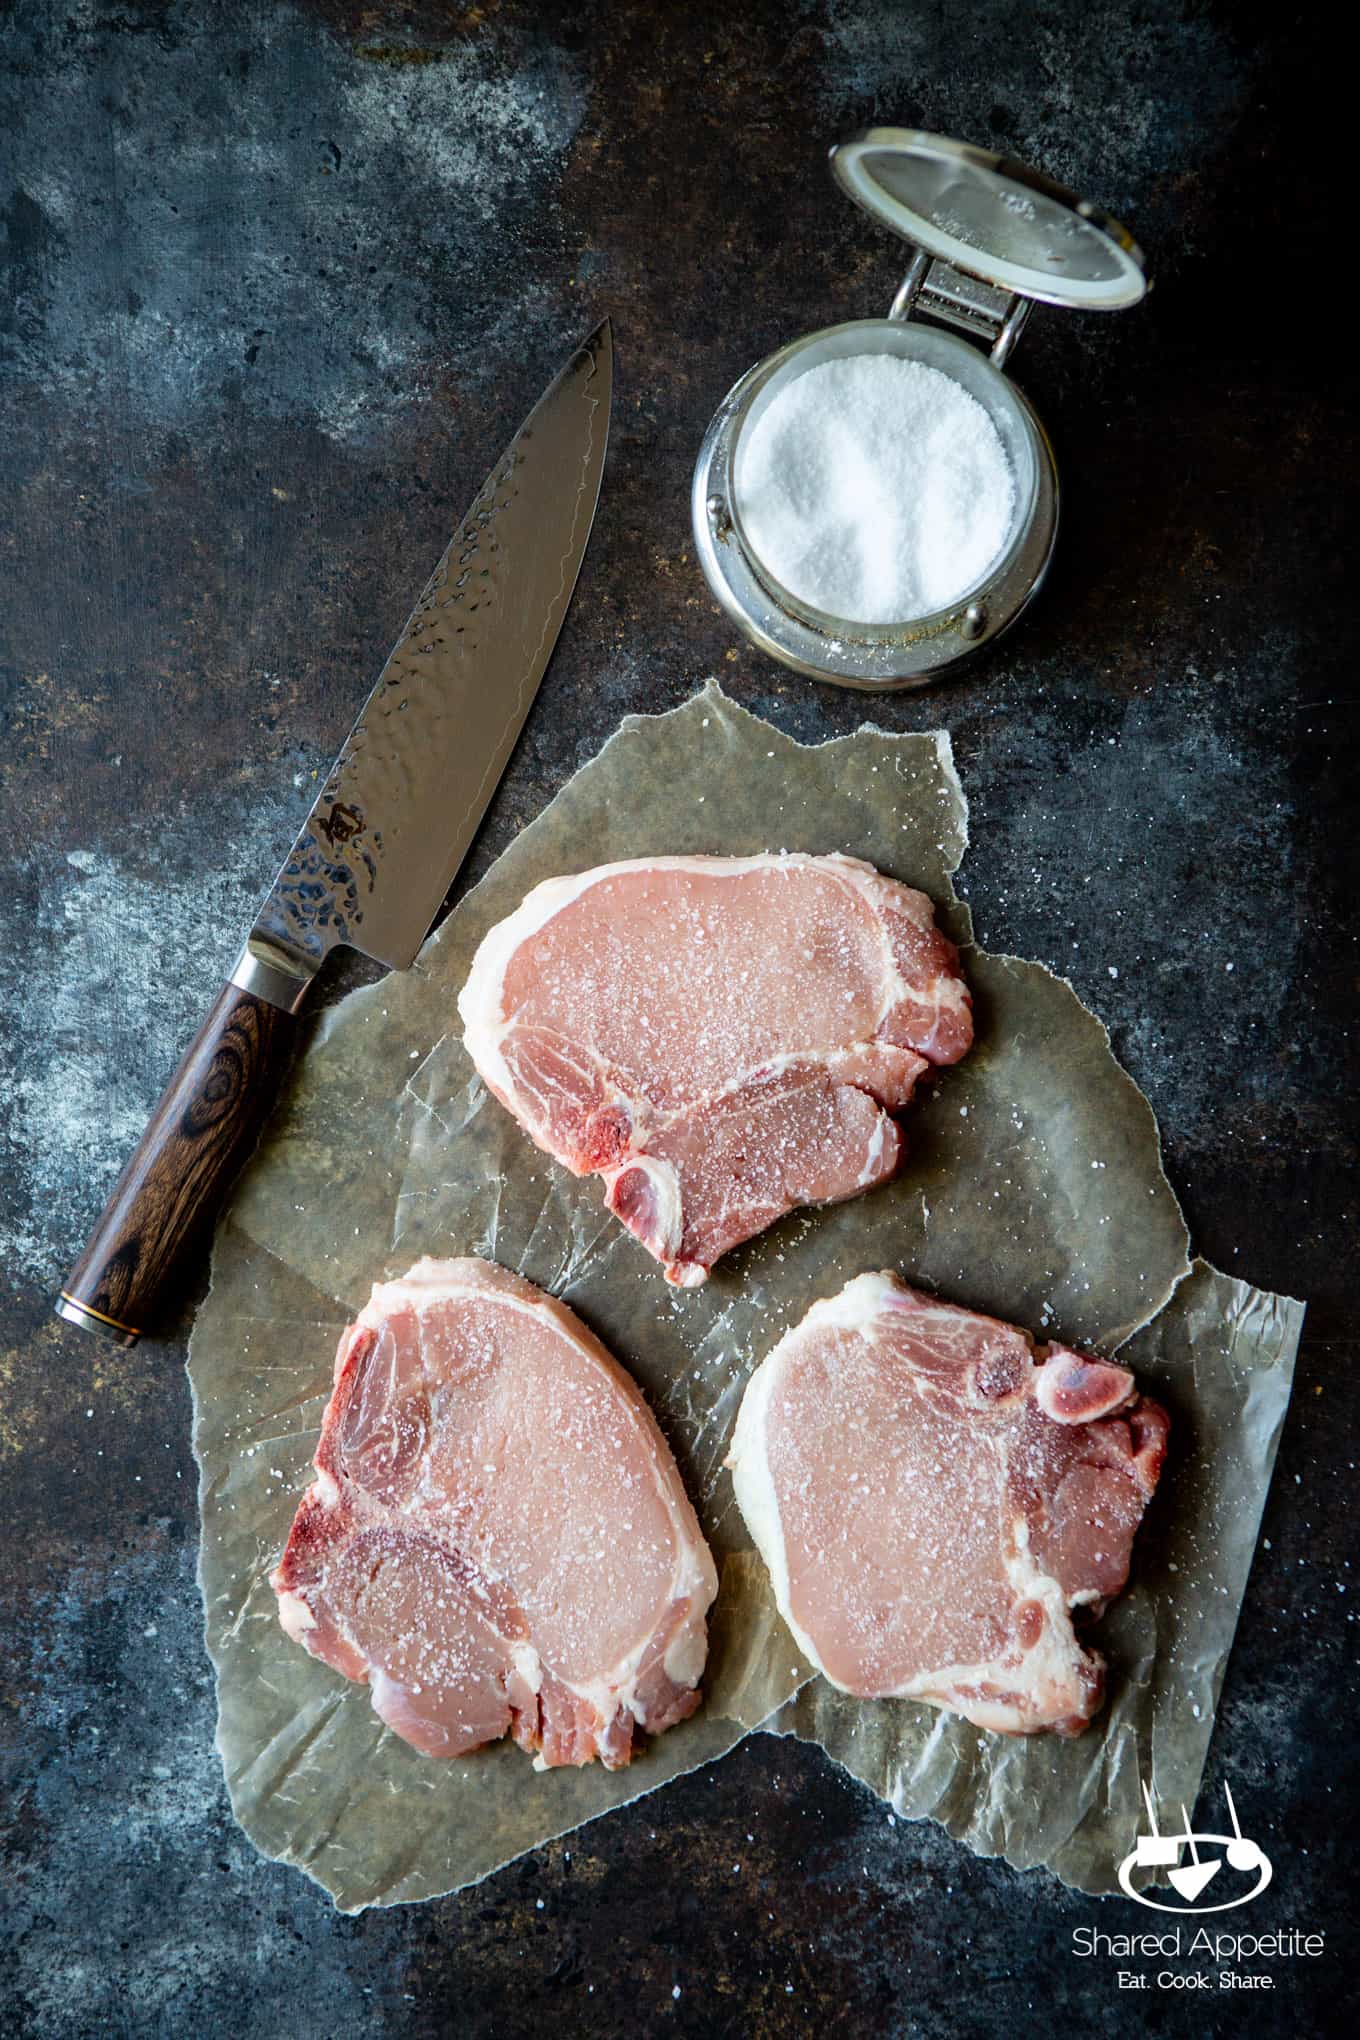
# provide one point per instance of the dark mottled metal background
(280, 281)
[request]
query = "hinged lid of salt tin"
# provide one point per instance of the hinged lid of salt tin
(992, 218)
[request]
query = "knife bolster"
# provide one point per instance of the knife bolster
(200, 1134)
(268, 976)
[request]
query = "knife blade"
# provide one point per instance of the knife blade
(385, 837)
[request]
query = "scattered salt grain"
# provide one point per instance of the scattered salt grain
(875, 489)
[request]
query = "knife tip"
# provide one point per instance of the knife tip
(598, 349)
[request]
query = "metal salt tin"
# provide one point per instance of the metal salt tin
(991, 237)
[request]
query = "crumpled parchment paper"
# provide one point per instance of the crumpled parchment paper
(1033, 1189)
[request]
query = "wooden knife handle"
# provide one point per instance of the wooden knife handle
(201, 1132)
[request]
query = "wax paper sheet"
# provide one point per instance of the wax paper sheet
(1033, 1188)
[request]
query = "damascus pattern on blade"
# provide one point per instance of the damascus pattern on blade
(385, 836)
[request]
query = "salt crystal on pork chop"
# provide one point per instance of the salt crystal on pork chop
(497, 1537)
(934, 1495)
(720, 1038)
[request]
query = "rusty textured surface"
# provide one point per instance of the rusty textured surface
(280, 279)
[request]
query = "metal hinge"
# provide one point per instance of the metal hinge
(935, 289)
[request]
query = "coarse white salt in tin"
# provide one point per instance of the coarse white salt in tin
(874, 489)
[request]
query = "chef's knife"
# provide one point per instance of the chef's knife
(385, 837)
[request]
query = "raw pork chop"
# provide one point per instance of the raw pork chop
(720, 1038)
(497, 1537)
(933, 1496)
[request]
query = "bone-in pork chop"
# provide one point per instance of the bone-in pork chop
(934, 1496)
(720, 1038)
(497, 1537)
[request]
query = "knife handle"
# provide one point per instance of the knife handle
(201, 1132)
